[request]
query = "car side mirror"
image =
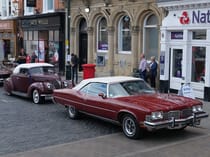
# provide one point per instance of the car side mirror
(102, 95)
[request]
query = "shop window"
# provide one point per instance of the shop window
(177, 63)
(56, 35)
(150, 36)
(35, 35)
(198, 64)
(102, 38)
(48, 5)
(124, 36)
(199, 35)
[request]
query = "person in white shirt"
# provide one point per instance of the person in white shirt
(142, 67)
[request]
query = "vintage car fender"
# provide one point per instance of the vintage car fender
(8, 85)
(35, 85)
(123, 112)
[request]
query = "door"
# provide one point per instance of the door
(21, 81)
(95, 104)
(83, 40)
(176, 63)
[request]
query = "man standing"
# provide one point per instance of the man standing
(142, 67)
(153, 71)
(74, 65)
(22, 56)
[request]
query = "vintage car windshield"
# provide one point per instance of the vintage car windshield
(129, 88)
(42, 70)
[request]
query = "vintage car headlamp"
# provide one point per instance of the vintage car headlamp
(157, 115)
(197, 108)
(65, 84)
(49, 85)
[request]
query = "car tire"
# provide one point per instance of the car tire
(37, 99)
(131, 127)
(73, 113)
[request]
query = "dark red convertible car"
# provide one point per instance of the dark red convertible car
(130, 102)
(34, 80)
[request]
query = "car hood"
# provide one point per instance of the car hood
(159, 102)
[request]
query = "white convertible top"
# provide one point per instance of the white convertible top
(109, 80)
(30, 65)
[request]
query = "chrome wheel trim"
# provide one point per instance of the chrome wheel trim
(36, 96)
(129, 126)
(72, 111)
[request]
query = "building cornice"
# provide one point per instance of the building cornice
(184, 5)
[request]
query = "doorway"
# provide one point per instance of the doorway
(176, 63)
(83, 40)
(6, 49)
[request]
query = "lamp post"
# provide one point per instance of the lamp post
(67, 39)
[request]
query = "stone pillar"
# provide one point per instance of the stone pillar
(72, 40)
(134, 45)
(90, 45)
(111, 50)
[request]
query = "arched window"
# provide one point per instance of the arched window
(150, 36)
(102, 35)
(124, 35)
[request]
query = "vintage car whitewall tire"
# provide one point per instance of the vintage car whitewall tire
(130, 127)
(72, 112)
(37, 99)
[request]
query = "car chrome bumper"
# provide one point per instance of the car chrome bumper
(177, 123)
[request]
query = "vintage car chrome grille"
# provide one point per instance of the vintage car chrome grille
(177, 114)
(186, 113)
(174, 114)
(56, 84)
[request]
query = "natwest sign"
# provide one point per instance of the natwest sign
(195, 17)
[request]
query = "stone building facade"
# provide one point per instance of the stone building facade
(113, 33)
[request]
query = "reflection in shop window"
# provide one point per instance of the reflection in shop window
(177, 63)
(198, 64)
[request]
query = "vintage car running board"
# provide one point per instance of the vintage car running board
(20, 94)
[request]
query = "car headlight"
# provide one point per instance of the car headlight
(65, 84)
(197, 108)
(157, 115)
(49, 85)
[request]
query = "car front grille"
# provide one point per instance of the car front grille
(56, 84)
(177, 114)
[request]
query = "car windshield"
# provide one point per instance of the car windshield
(42, 70)
(129, 88)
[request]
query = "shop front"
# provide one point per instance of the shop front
(44, 36)
(185, 47)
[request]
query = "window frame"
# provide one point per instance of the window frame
(145, 27)
(99, 35)
(120, 36)
(28, 10)
(46, 6)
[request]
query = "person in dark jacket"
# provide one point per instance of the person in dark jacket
(74, 65)
(22, 56)
(153, 72)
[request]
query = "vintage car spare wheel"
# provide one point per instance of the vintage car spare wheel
(130, 126)
(73, 112)
(36, 97)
